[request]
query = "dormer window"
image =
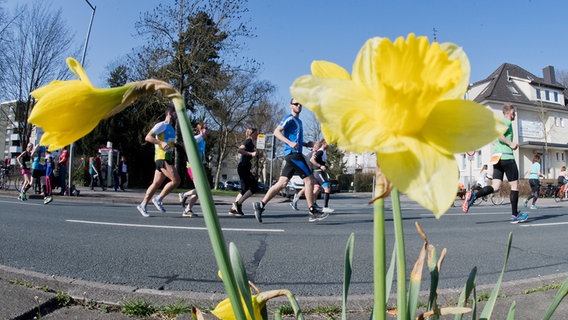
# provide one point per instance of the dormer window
(513, 90)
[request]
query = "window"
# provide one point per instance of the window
(513, 90)
(538, 94)
(547, 95)
(557, 157)
(555, 96)
(479, 164)
(557, 121)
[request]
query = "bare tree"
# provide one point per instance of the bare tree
(242, 97)
(38, 44)
(312, 128)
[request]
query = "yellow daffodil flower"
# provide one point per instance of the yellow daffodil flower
(403, 101)
(68, 110)
(224, 310)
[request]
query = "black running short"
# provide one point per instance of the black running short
(506, 167)
(161, 164)
(295, 163)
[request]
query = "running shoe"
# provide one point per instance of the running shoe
(181, 199)
(188, 213)
(142, 209)
(533, 207)
(522, 217)
(317, 206)
(328, 210)
(318, 217)
(47, 199)
(322, 216)
(315, 214)
(294, 205)
(466, 202)
(239, 207)
(235, 210)
(158, 204)
(258, 209)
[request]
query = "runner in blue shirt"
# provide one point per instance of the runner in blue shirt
(290, 131)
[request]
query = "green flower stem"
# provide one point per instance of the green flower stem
(400, 256)
(209, 212)
(379, 254)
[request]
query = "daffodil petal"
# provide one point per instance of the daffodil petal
(456, 53)
(340, 104)
(423, 173)
(364, 67)
(326, 69)
(77, 69)
(52, 86)
(452, 122)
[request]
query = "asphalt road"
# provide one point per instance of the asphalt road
(113, 243)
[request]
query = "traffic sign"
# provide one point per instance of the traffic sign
(471, 153)
(260, 141)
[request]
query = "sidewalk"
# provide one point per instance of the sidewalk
(31, 295)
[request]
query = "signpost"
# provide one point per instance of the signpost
(470, 157)
(268, 146)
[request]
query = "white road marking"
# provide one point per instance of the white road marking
(524, 224)
(169, 227)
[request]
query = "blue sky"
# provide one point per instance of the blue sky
(292, 33)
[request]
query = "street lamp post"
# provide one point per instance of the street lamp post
(93, 9)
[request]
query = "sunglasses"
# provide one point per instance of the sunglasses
(296, 104)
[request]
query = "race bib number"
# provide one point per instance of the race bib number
(495, 158)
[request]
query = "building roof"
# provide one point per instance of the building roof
(499, 86)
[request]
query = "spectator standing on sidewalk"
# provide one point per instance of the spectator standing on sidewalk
(62, 166)
(249, 183)
(163, 136)
(123, 167)
(503, 164)
(49, 165)
(94, 173)
(290, 131)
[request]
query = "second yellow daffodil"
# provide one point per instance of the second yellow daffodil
(68, 110)
(403, 101)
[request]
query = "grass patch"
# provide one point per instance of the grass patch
(138, 308)
(21, 283)
(327, 310)
(173, 310)
(63, 299)
(544, 288)
(285, 309)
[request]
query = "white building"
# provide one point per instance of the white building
(541, 124)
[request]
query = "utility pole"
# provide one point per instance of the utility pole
(93, 9)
